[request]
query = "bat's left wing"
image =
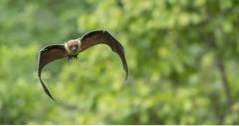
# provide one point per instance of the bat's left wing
(103, 37)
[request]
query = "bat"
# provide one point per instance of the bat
(73, 47)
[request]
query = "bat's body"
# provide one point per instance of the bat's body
(72, 48)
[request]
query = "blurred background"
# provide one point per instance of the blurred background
(182, 55)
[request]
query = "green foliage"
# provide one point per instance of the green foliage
(173, 48)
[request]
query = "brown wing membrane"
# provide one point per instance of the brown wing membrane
(47, 55)
(97, 37)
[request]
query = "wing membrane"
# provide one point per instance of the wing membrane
(47, 55)
(103, 37)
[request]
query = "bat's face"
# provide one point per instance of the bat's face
(73, 46)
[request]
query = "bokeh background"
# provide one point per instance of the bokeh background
(182, 54)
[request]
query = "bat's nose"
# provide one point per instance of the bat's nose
(74, 49)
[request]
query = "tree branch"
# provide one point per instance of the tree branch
(221, 67)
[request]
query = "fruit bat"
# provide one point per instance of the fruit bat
(72, 48)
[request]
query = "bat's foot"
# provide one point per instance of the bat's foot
(72, 57)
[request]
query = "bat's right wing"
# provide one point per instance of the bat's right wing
(47, 55)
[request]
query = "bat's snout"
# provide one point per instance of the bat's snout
(74, 49)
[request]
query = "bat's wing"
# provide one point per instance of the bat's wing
(47, 55)
(103, 37)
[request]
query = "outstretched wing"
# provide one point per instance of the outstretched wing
(97, 37)
(47, 55)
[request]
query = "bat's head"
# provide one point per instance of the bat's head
(73, 47)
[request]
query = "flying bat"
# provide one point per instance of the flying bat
(72, 48)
